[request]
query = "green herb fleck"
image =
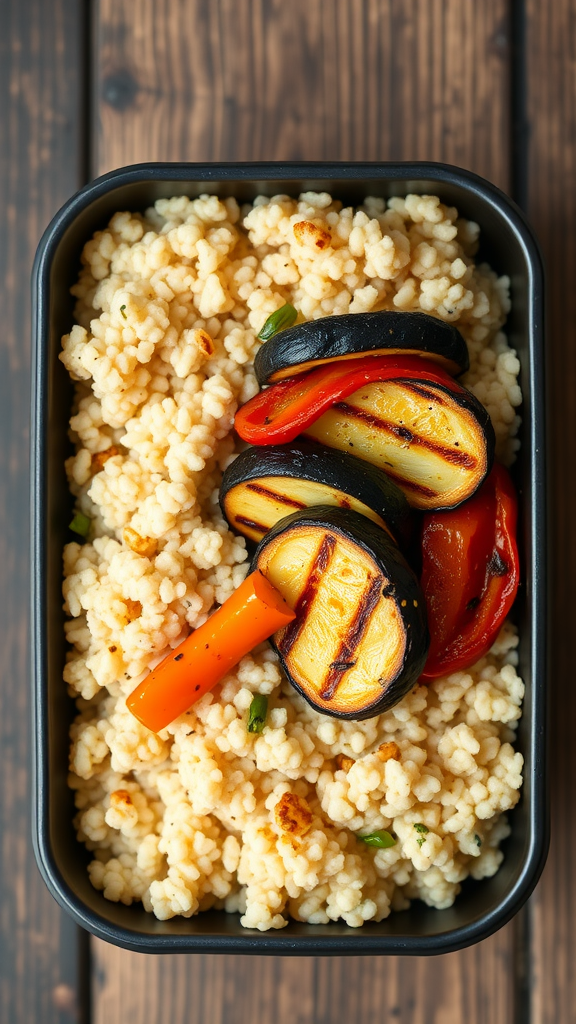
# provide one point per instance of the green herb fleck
(423, 830)
(278, 321)
(80, 524)
(257, 713)
(122, 308)
(478, 840)
(380, 838)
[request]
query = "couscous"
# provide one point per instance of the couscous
(206, 813)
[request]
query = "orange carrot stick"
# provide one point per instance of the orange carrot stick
(249, 616)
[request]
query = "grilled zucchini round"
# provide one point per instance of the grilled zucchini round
(359, 640)
(387, 332)
(436, 442)
(265, 484)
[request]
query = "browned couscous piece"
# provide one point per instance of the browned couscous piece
(146, 546)
(133, 609)
(388, 751)
(120, 798)
(344, 763)
(307, 233)
(100, 458)
(293, 814)
(205, 343)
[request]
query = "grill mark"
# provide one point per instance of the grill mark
(344, 660)
(304, 602)
(251, 524)
(426, 492)
(281, 498)
(422, 392)
(463, 459)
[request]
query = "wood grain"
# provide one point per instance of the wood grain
(270, 80)
(551, 108)
(472, 986)
(40, 47)
(263, 79)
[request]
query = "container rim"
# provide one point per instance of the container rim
(360, 941)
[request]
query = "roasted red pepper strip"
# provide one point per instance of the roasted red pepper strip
(281, 412)
(470, 574)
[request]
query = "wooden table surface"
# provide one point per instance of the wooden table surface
(88, 86)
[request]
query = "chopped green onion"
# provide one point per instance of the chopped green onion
(423, 830)
(80, 524)
(122, 308)
(478, 840)
(278, 321)
(257, 713)
(380, 838)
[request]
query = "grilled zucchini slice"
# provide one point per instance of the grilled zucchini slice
(265, 484)
(435, 442)
(387, 332)
(359, 640)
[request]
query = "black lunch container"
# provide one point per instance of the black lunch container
(509, 246)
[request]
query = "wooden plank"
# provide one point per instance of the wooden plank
(262, 79)
(40, 76)
(474, 986)
(269, 80)
(551, 108)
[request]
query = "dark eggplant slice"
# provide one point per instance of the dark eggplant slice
(435, 442)
(387, 332)
(265, 484)
(359, 640)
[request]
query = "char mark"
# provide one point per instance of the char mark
(404, 434)
(282, 499)
(305, 601)
(422, 392)
(251, 524)
(497, 566)
(426, 492)
(344, 660)
(456, 458)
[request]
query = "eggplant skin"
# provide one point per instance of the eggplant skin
(326, 659)
(315, 463)
(302, 347)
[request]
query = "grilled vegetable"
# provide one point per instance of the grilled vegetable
(265, 484)
(284, 410)
(436, 441)
(470, 574)
(359, 640)
(249, 616)
(345, 337)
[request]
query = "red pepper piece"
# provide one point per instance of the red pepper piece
(281, 412)
(470, 574)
